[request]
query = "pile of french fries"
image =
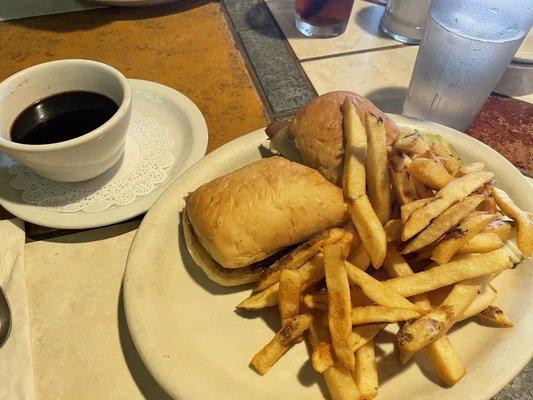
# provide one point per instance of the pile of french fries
(436, 226)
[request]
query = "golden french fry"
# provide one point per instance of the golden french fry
(316, 301)
(339, 304)
(523, 221)
(408, 208)
(482, 242)
(446, 361)
(355, 152)
(451, 165)
(362, 334)
(322, 357)
(489, 205)
(395, 264)
(495, 316)
(418, 334)
(411, 142)
(377, 291)
(339, 380)
(429, 172)
(402, 184)
(469, 168)
(423, 254)
(282, 341)
(447, 274)
(370, 229)
(289, 295)
(377, 170)
(340, 383)
(365, 372)
(359, 257)
(318, 330)
(448, 160)
(297, 257)
(319, 300)
(393, 230)
(443, 356)
(458, 237)
(450, 194)
(356, 240)
(262, 299)
(443, 223)
(379, 314)
(500, 228)
(422, 191)
(310, 273)
(482, 301)
(425, 330)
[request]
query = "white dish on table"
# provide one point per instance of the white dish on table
(197, 347)
(517, 81)
(185, 127)
(83, 157)
(524, 54)
(132, 3)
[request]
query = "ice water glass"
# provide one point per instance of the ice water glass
(465, 50)
(405, 20)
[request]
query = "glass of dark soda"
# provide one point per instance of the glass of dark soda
(322, 18)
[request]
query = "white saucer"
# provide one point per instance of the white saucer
(185, 125)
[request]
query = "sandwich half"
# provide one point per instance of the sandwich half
(314, 136)
(238, 224)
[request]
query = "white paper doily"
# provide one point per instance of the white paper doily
(142, 167)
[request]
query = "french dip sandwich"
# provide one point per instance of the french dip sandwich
(314, 136)
(236, 221)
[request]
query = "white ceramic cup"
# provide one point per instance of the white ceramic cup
(78, 159)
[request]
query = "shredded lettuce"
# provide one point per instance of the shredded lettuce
(434, 138)
(510, 247)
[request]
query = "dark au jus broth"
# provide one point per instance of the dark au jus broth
(61, 117)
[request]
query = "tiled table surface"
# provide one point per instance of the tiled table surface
(153, 44)
(362, 34)
(167, 44)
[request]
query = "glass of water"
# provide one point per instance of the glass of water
(404, 20)
(465, 50)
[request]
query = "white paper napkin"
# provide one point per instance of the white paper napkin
(16, 364)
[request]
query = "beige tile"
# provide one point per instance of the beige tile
(381, 76)
(81, 345)
(363, 31)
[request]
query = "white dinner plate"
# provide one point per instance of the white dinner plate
(185, 125)
(197, 347)
(524, 53)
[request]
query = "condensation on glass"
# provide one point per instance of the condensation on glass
(465, 50)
